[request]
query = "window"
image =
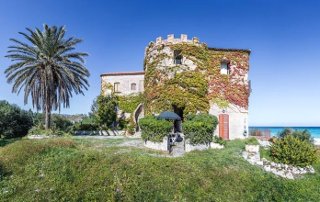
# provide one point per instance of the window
(116, 87)
(133, 86)
(225, 69)
(177, 57)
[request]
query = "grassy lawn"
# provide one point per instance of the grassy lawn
(68, 169)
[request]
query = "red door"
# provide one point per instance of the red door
(224, 126)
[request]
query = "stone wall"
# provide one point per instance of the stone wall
(125, 80)
(162, 146)
(238, 120)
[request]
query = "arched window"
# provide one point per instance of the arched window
(133, 86)
(177, 57)
(224, 68)
(116, 87)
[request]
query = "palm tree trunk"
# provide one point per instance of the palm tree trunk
(47, 118)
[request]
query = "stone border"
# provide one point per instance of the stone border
(200, 147)
(252, 155)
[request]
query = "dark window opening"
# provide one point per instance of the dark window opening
(177, 57)
(225, 68)
(133, 86)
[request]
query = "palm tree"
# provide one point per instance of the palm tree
(47, 68)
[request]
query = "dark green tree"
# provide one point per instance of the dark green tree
(106, 114)
(14, 122)
(47, 68)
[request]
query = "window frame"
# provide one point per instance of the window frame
(116, 86)
(133, 85)
(227, 63)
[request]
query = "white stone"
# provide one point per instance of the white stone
(190, 147)
(252, 148)
(184, 38)
(162, 146)
(170, 38)
(214, 145)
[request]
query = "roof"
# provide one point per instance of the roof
(230, 49)
(122, 73)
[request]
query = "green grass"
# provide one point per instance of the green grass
(4, 142)
(66, 169)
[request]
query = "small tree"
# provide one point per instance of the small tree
(106, 114)
(14, 122)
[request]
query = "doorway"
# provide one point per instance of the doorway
(178, 124)
(224, 126)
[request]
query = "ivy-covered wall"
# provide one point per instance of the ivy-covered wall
(129, 103)
(197, 82)
(233, 88)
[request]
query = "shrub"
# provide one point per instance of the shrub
(252, 141)
(85, 127)
(36, 130)
(219, 140)
(14, 122)
(203, 118)
(61, 123)
(303, 135)
(153, 129)
(199, 128)
(106, 114)
(292, 150)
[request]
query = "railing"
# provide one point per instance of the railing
(260, 134)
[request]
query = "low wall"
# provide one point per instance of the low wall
(189, 147)
(162, 146)
(252, 155)
(97, 132)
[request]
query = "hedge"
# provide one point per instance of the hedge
(199, 128)
(154, 130)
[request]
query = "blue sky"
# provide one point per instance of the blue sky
(284, 37)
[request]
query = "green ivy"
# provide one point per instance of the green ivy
(129, 103)
(194, 89)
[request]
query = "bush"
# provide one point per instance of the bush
(219, 140)
(294, 151)
(61, 123)
(85, 127)
(153, 129)
(14, 122)
(199, 128)
(106, 114)
(303, 135)
(36, 130)
(251, 141)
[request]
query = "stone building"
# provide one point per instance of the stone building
(186, 76)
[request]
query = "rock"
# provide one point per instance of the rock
(289, 175)
(259, 163)
(267, 168)
(214, 145)
(252, 148)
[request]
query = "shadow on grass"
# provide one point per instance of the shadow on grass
(4, 141)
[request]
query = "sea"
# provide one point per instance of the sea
(315, 131)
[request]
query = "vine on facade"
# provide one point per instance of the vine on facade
(193, 86)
